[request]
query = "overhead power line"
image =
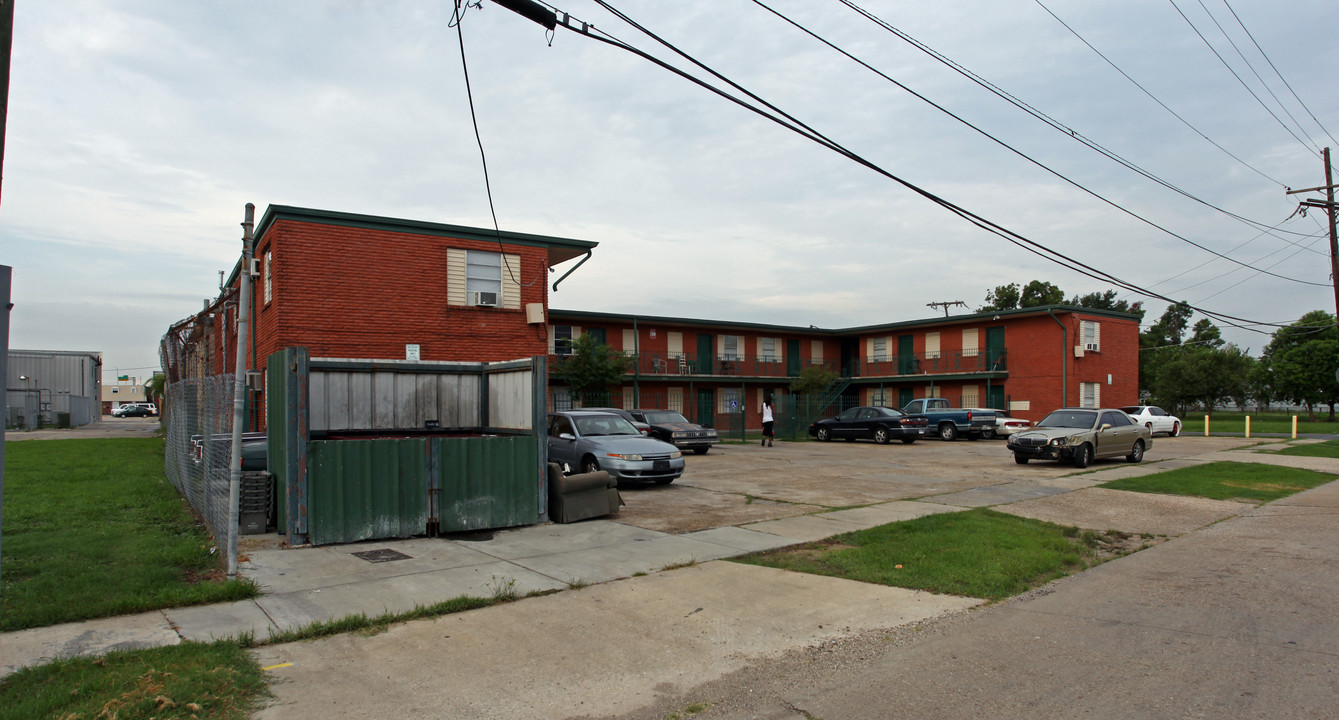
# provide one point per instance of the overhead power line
(1018, 152)
(1238, 77)
(1155, 99)
(780, 117)
(1060, 127)
(1276, 72)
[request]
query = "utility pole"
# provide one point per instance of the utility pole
(1328, 205)
(946, 305)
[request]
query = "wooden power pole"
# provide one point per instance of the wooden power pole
(1328, 205)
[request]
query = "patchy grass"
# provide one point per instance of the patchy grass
(977, 553)
(208, 681)
(1248, 482)
(1327, 449)
(361, 623)
(93, 529)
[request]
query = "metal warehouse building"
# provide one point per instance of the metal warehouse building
(52, 387)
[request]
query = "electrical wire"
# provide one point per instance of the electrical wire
(457, 16)
(1060, 127)
(1155, 99)
(1016, 151)
(1238, 77)
(1276, 72)
(789, 122)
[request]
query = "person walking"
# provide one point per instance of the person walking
(768, 418)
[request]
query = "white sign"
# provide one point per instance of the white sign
(411, 352)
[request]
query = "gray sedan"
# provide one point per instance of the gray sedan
(1081, 434)
(585, 441)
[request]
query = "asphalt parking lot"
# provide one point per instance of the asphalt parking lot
(736, 484)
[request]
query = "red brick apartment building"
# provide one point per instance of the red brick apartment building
(359, 286)
(1027, 362)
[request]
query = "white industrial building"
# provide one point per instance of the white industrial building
(52, 387)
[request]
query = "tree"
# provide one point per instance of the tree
(592, 369)
(154, 389)
(1303, 358)
(1205, 376)
(1107, 301)
(1038, 293)
(1003, 297)
(813, 379)
(1159, 344)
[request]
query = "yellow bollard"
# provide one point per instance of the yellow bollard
(1206, 426)
(1248, 426)
(1294, 427)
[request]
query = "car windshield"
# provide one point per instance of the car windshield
(1132, 410)
(604, 425)
(664, 416)
(1084, 419)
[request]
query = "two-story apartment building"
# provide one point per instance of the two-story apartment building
(1026, 362)
(346, 285)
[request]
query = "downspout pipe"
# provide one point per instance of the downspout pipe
(1064, 359)
(569, 272)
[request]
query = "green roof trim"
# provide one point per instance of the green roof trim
(974, 318)
(274, 213)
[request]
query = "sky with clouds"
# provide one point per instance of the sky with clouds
(138, 130)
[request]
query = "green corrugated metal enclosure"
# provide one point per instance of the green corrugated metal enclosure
(379, 449)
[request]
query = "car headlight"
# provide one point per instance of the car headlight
(625, 456)
(675, 455)
(1059, 442)
(679, 435)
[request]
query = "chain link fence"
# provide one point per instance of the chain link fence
(198, 420)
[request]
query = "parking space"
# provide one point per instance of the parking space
(737, 484)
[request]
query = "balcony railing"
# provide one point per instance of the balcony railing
(655, 364)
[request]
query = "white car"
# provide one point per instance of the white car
(1155, 419)
(1006, 426)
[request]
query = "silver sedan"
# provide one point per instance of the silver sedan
(585, 441)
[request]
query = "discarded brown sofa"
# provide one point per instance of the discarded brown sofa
(578, 497)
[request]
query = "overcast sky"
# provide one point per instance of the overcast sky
(138, 130)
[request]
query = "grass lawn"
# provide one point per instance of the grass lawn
(1223, 421)
(93, 528)
(214, 681)
(1251, 482)
(977, 553)
(1327, 449)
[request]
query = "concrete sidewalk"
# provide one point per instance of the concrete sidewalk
(306, 585)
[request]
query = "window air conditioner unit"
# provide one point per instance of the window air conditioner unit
(483, 299)
(1090, 347)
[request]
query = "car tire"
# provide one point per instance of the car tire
(1136, 452)
(987, 433)
(1021, 460)
(823, 434)
(1176, 430)
(908, 440)
(948, 431)
(700, 451)
(589, 465)
(1083, 455)
(881, 435)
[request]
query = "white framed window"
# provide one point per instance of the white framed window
(931, 345)
(727, 400)
(816, 352)
(971, 396)
(561, 338)
(881, 396)
(269, 276)
(1091, 394)
(674, 399)
(878, 349)
(483, 272)
(674, 340)
(769, 349)
(1092, 335)
(732, 347)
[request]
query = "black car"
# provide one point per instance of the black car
(675, 429)
(880, 424)
(669, 426)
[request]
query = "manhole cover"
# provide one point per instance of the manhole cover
(382, 555)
